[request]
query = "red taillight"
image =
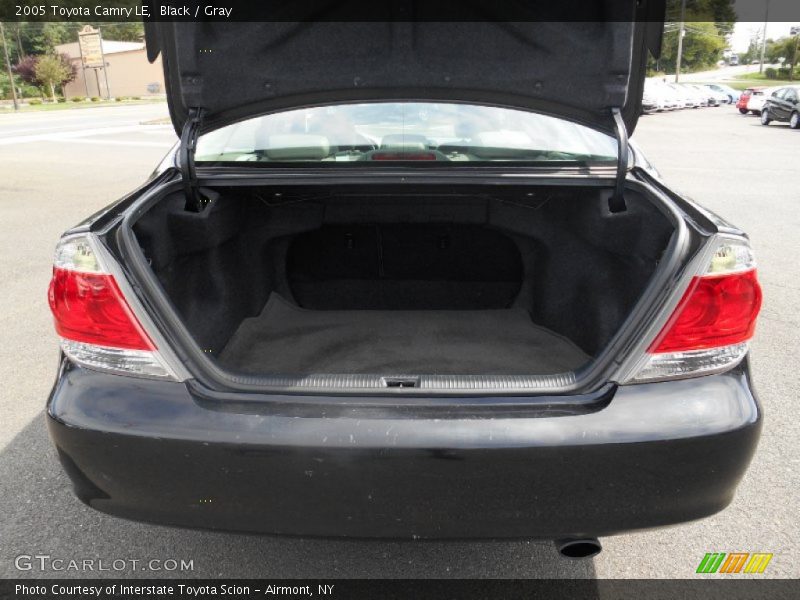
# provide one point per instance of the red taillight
(715, 311)
(89, 308)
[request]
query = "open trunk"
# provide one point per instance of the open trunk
(403, 282)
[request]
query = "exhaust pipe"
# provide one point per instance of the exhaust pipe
(578, 547)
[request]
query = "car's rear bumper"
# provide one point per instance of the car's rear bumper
(656, 454)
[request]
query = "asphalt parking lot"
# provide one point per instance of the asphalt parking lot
(58, 167)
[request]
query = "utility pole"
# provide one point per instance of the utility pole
(8, 67)
(764, 39)
(681, 33)
(20, 53)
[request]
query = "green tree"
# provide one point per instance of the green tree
(50, 35)
(122, 32)
(31, 37)
(708, 23)
(40, 38)
(52, 70)
(5, 85)
(784, 48)
(753, 49)
(703, 44)
(720, 12)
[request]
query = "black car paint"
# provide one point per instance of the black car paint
(652, 455)
(587, 464)
(486, 58)
(492, 467)
(782, 104)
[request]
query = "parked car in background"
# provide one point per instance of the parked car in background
(731, 95)
(649, 103)
(657, 97)
(783, 105)
(744, 98)
(681, 101)
(671, 97)
(728, 91)
(703, 95)
(686, 99)
(717, 96)
(757, 99)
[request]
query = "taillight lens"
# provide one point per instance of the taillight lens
(711, 325)
(715, 311)
(89, 308)
(93, 319)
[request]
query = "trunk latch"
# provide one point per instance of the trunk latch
(401, 382)
(617, 201)
(195, 201)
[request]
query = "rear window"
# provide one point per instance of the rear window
(405, 131)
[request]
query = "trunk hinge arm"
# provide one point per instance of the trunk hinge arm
(616, 203)
(195, 201)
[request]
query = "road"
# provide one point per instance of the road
(720, 74)
(89, 157)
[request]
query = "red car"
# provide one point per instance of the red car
(741, 104)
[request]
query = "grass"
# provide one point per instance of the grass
(747, 79)
(755, 75)
(743, 84)
(68, 105)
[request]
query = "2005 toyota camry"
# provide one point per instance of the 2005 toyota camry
(406, 280)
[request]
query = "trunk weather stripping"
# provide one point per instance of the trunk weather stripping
(195, 201)
(616, 203)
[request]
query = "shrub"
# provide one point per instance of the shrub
(26, 69)
(77, 99)
(34, 101)
(95, 99)
(53, 70)
(135, 98)
(30, 91)
(770, 73)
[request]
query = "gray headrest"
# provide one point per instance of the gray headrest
(401, 141)
(297, 146)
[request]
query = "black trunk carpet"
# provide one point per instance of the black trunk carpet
(287, 340)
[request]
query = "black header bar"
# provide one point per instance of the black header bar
(391, 10)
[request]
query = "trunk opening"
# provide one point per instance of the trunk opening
(403, 282)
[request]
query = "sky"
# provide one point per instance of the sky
(744, 30)
(751, 19)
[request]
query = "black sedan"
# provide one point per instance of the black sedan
(406, 288)
(783, 106)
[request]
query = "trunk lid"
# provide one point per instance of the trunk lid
(579, 70)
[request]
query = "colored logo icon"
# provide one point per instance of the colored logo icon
(734, 562)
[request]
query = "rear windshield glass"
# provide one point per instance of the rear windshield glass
(404, 131)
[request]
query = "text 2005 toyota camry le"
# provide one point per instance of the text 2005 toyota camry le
(417, 285)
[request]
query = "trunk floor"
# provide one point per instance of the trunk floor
(287, 340)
